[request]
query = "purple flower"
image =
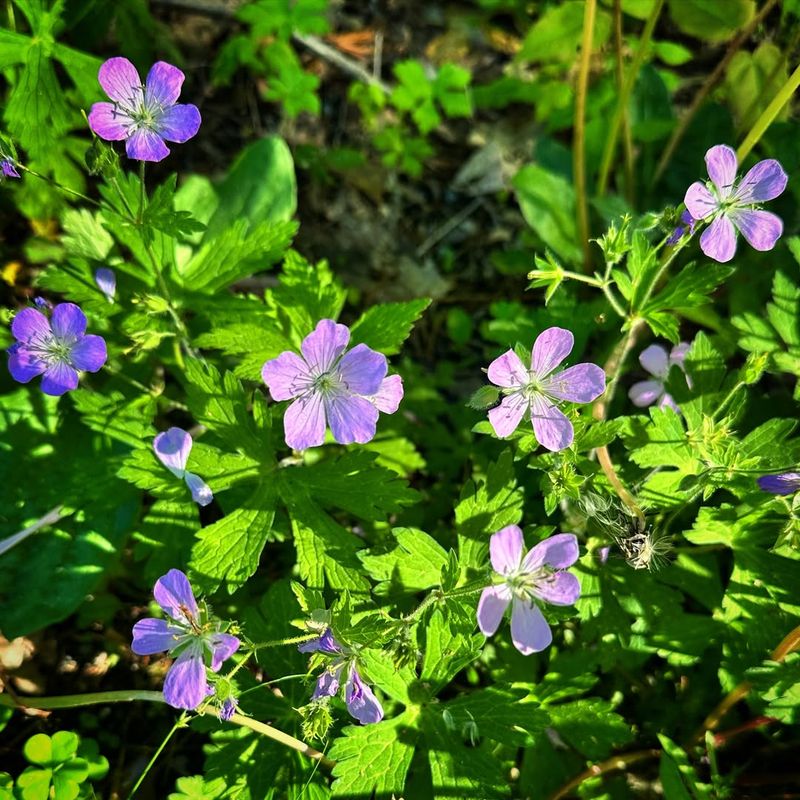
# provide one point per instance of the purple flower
(656, 361)
(172, 449)
(539, 577)
(228, 709)
(784, 483)
(8, 168)
(144, 116)
(106, 282)
(331, 388)
(358, 697)
(731, 204)
(538, 390)
(188, 635)
(686, 226)
(57, 347)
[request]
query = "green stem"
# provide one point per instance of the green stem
(578, 141)
(179, 723)
(726, 401)
(306, 637)
(437, 595)
(624, 95)
(627, 139)
(58, 185)
(142, 193)
(767, 117)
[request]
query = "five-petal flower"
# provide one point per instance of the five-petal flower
(538, 577)
(658, 363)
(731, 205)
(144, 116)
(538, 390)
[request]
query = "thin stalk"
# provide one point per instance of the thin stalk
(306, 637)
(58, 185)
(710, 82)
(578, 141)
(142, 193)
(609, 765)
(179, 723)
(50, 518)
(768, 116)
(624, 96)
(627, 138)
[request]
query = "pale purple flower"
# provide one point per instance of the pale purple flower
(331, 387)
(144, 116)
(539, 577)
(537, 391)
(783, 483)
(194, 641)
(106, 282)
(56, 348)
(172, 449)
(228, 709)
(731, 205)
(358, 697)
(8, 168)
(687, 225)
(658, 363)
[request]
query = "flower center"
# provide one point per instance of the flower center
(524, 585)
(327, 382)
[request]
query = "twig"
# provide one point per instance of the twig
(195, 7)
(609, 765)
(50, 518)
(449, 226)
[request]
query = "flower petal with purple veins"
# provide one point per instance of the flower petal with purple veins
(304, 422)
(762, 229)
(110, 122)
(223, 646)
(559, 551)
(174, 594)
(505, 418)
(491, 608)
(560, 589)
(360, 700)
(530, 632)
(179, 123)
(765, 181)
(579, 384)
(59, 379)
(68, 321)
(390, 393)
(551, 428)
(163, 84)
(645, 393)
(8, 168)
(121, 81)
(106, 282)
(351, 418)
(24, 365)
(324, 345)
(186, 685)
(655, 360)
(327, 684)
(508, 371)
(505, 549)
(718, 240)
(551, 347)
(362, 370)
(228, 709)
(722, 166)
(30, 324)
(89, 353)
(201, 491)
(699, 201)
(286, 376)
(783, 483)
(172, 449)
(144, 145)
(152, 636)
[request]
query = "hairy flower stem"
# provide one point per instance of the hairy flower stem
(57, 185)
(712, 80)
(306, 637)
(179, 723)
(121, 696)
(624, 96)
(142, 194)
(768, 116)
(437, 595)
(578, 141)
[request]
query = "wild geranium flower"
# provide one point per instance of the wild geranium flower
(783, 483)
(358, 697)
(144, 116)
(538, 390)
(526, 582)
(731, 205)
(686, 226)
(56, 348)
(330, 387)
(8, 168)
(228, 709)
(657, 362)
(172, 449)
(106, 282)
(195, 641)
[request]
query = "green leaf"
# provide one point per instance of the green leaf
(753, 79)
(556, 35)
(689, 288)
(451, 89)
(450, 646)
(590, 726)
(678, 778)
(160, 213)
(777, 684)
(415, 564)
(84, 234)
(710, 21)
(385, 327)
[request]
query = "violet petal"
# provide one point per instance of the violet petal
(145, 145)
(551, 428)
(699, 201)
(718, 240)
(179, 123)
(174, 594)
(645, 393)
(223, 646)
(765, 181)
(508, 371)
(163, 84)
(201, 491)
(186, 685)
(59, 379)
(30, 324)
(172, 448)
(110, 122)
(304, 422)
(362, 370)
(361, 701)
(560, 589)
(286, 376)
(324, 345)
(762, 229)
(579, 384)
(505, 549)
(530, 632)
(506, 417)
(722, 167)
(351, 418)
(551, 347)
(121, 82)
(89, 353)
(152, 636)
(558, 551)
(491, 607)
(390, 393)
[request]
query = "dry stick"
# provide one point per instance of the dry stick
(712, 80)
(609, 765)
(578, 141)
(627, 138)
(50, 518)
(624, 95)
